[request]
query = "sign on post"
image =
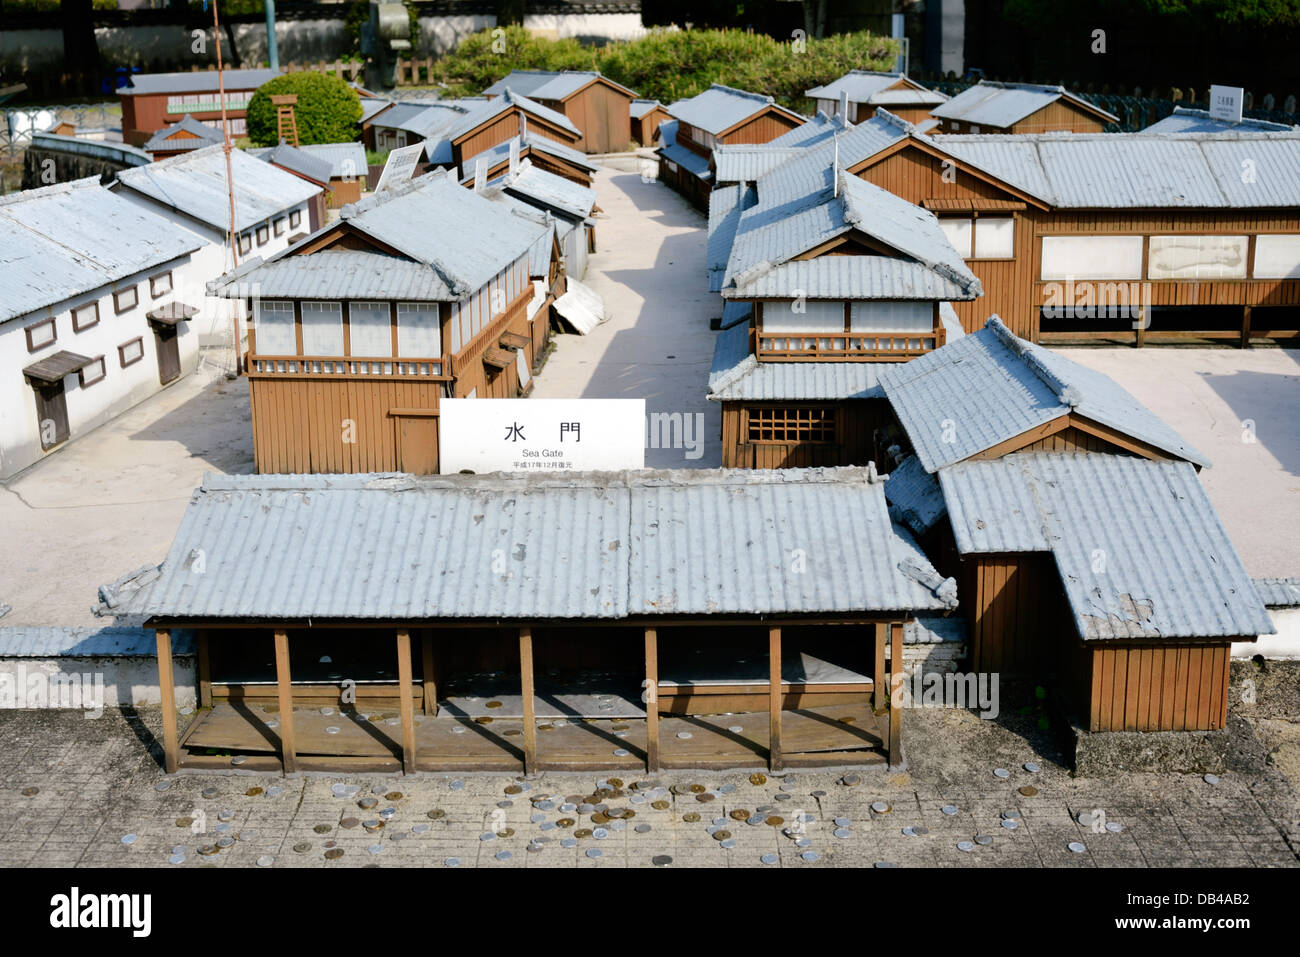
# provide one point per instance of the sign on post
(401, 164)
(1226, 102)
(540, 435)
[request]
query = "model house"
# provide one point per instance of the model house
(544, 154)
(154, 100)
(859, 93)
(646, 115)
(183, 136)
(571, 206)
(92, 315)
(989, 107)
(596, 105)
(1186, 120)
(339, 169)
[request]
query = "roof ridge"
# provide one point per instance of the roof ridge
(761, 97)
(1066, 393)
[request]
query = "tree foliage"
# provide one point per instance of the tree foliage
(327, 110)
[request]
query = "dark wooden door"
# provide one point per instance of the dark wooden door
(169, 354)
(417, 443)
(51, 414)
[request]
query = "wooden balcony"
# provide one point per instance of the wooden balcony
(851, 347)
(349, 367)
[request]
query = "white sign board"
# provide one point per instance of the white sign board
(401, 164)
(1225, 103)
(540, 435)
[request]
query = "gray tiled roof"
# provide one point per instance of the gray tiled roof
(914, 496)
(89, 642)
(1278, 592)
(867, 86)
(1002, 105)
(200, 81)
(1185, 120)
(549, 84)
(202, 135)
(719, 108)
(736, 374)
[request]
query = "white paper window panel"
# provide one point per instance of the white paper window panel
(418, 335)
(455, 327)
(1197, 257)
(273, 324)
(891, 316)
(780, 319)
(958, 232)
(995, 237)
(322, 328)
(1092, 257)
(1277, 257)
(370, 327)
(132, 351)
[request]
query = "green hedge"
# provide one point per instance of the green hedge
(669, 65)
(327, 111)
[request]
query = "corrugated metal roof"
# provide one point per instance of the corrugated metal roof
(990, 386)
(64, 240)
(1184, 120)
(200, 81)
(1141, 170)
(818, 129)
(726, 204)
(582, 545)
(494, 107)
(640, 108)
(1002, 105)
(548, 190)
(736, 374)
(344, 159)
(852, 277)
(1139, 548)
(867, 86)
(295, 160)
(549, 84)
(539, 254)
(915, 499)
(745, 164)
(89, 642)
(202, 135)
(674, 152)
(719, 108)
(1278, 592)
(195, 184)
(371, 105)
(337, 275)
(529, 141)
(101, 149)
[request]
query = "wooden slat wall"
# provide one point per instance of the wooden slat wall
(762, 128)
(855, 432)
(1072, 439)
(1014, 608)
(1144, 687)
(602, 113)
(502, 130)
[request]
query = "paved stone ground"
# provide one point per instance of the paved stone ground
(97, 782)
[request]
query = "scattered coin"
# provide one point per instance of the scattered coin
(213, 792)
(162, 785)
(176, 859)
(483, 720)
(367, 803)
(785, 797)
(582, 833)
(593, 852)
(843, 833)
(1011, 824)
(129, 839)
(885, 864)
(253, 792)
(239, 759)
(983, 840)
(184, 821)
(1029, 791)
(740, 814)
(621, 752)
(436, 814)
(965, 846)
(388, 813)
(325, 828)
(758, 780)
(493, 704)
(851, 779)
(503, 855)
(642, 829)
(225, 842)
(660, 805)
(393, 796)
(506, 832)
(880, 807)
(949, 809)
(376, 848)
(266, 860)
(1114, 827)
(909, 831)
(1211, 779)
(810, 856)
(568, 842)
(1032, 767)
(721, 835)
(705, 798)
(600, 833)
(565, 822)
(1076, 847)
(921, 829)
(661, 860)
(775, 821)
(488, 836)
(691, 817)
(769, 858)
(274, 791)
(326, 711)
(452, 862)
(513, 789)
(1010, 815)
(1001, 773)
(208, 850)
(302, 847)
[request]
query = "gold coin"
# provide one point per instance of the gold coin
(774, 821)
(574, 799)
(758, 780)
(704, 798)
(618, 727)
(333, 854)
(436, 814)
(848, 719)
(545, 727)
(30, 792)
(507, 832)
(691, 817)
(660, 805)
(322, 828)
(565, 822)
(349, 823)
(740, 814)
(698, 789)
(628, 813)
(184, 821)
(721, 835)
(599, 817)
(615, 782)
(482, 720)
(582, 832)
(615, 812)
(514, 789)
(493, 704)
(1029, 791)
(511, 732)
(393, 796)
(253, 792)
(208, 850)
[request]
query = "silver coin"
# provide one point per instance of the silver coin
(807, 818)
(504, 855)
(180, 849)
(225, 815)
(331, 730)
(880, 807)
(965, 846)
(727, 789)
(638, 799)
(210, 792)
(176, 859)
(1076, 847)
(274, 791)
(1085, 818)
(803, 842)
(1211, 779)
(452, 862)
(388, 813)
(548, 825)
(618, 825)
(593, 852)
(642, 828)
(223, 828)
(567, 808)
(162, 785)
(187, 710)
(505, 804)
(621, 752)
(1010, 824)
(488, 836)
(457, 785)
(1001, 773)
(419, 828)
(735, 729)
(326, 711)
(266, 860)
(1032, 767)
(718, 822)
(620, 734)
(983, 840)
(810, 856)
(842, 822)
(885, 864)
(225, 841)
(1010, 815)
(600, 833)
(367, 803)
(239, 759)
(909, 831)
(534, 848)
(568, 842)
(536, 818)
(949, 809)
(787, 787)
(843, 833)
(769, 858)
(376, 848)
(1114, 827)
(129, 839)
(393, 721)
(684, 735)
(457, 729)
(921, 829)
(728, 843)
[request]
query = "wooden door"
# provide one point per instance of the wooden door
(417, 443)
(51, 414)
(169, 353)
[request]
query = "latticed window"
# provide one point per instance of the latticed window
(802, 424)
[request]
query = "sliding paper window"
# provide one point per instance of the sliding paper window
(371, 330)
(273, 325)
(322, 328)
(418, 332)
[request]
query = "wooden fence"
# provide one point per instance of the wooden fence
(409, 72)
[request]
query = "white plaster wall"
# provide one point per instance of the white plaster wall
(1284, 644)
(439, 35)
(587, 26)
(119, 390)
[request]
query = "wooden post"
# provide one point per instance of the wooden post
(167, 686)
(1245, 327)
(205, 671)
(526, 686)
(878, 675)
(288, 751)
(406, 708)
(652, 700)
(774, 698)
(1143, 319)
(430, 684)
(895, 693)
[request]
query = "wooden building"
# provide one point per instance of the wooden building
(645, 116)
(415, 120)
(498, 121)
(92, 314)
(990, 107)
(571, 206)
(718, 116)
(544, 154)
(610, 611)
(338, 169)
(595, 104)
(852, 279)
(859, 93)
(360, 329)
(155, 100)
(183, 136)
(1075, 522)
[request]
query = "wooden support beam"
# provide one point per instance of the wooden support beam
(895, 694)
(526, 686)
(405, 708)
(430, 683)
(205, 670)
(652, 699)
(1245, 327)
(1144, 317)
(167, 686)
(878, 675)
(774, 761)
(284, 690)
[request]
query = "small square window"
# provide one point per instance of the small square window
(93, 371)
(129, 353)
(126, 299)
(263, 234)
(160, 284)
(245, 243)
(41, 334)
(279, 226)
(83, 317)
(295, 218)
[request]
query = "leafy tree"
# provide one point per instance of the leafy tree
(327, 110)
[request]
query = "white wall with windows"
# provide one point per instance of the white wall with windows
(1191, 257)
(981, 237)
(471, 316)
(107, 326)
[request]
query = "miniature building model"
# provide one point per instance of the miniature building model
(859, 93)
(596, 105)
(989, 107)
(155, 100)
(646, 115)
(361, 328)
